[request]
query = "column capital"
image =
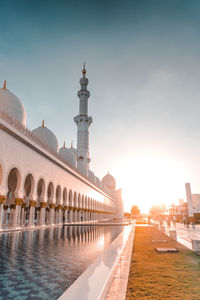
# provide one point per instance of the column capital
(32, 203)
(2, 199)
(19, 201)
(43, 204)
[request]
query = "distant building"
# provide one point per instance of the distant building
(193, 201)
(180, 210)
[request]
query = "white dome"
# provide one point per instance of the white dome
(68, 156)
(47, 137)
(91, 176)
(109, 181)
(12, 105)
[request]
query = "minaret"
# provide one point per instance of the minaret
(83, 122)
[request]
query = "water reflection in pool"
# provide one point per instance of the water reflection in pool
(43, 263)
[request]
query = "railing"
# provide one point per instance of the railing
(27, 132)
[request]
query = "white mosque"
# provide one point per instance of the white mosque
(41, 184)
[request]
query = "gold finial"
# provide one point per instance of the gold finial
(4, 85)
(71, 144)
(64, 145)
(42, 123)
(84, 70)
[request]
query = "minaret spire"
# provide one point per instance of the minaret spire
(4, 85)
(83, 122)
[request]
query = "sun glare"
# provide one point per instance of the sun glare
(148, 180)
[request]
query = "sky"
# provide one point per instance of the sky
(143, 66)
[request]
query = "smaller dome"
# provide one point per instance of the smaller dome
(12, 105)
(68, 156)
(109, 181)
(47, 137)
(73, 150)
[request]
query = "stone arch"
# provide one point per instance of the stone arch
(75, 200)
(14, 180)
(29, 186)
(58, 195)
(65, 196)
(86, 202)
(41, 189)
(79, 200)
(50, 192)
(82, 202)
(70, 198)
(1, 173)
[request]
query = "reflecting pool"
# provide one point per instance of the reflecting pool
(43, 263)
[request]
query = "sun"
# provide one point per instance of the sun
(147, 180)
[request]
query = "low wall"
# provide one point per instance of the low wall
(95, 281)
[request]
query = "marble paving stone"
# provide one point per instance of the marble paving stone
(164, 250)
(159, 241)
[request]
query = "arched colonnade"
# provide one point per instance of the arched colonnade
(45, 203)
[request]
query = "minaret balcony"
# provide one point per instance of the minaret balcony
(83, 93)
(83, 118)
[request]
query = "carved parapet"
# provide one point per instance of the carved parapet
(19, 201)
(43, 204)
(2, 199)
(52, 205)
(32, 203)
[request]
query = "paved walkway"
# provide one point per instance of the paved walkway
(185, 235)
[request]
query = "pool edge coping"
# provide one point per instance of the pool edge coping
(118, 286)
(70, 292)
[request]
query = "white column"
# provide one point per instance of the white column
(60, 216)
(1, 215)
(16, 215)
(75, 216)
(66, 216)
(71, 216)
(31, 216)
(79, 216)
(4, 216)
(42, 216)
(52, 216)
(22, 220)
